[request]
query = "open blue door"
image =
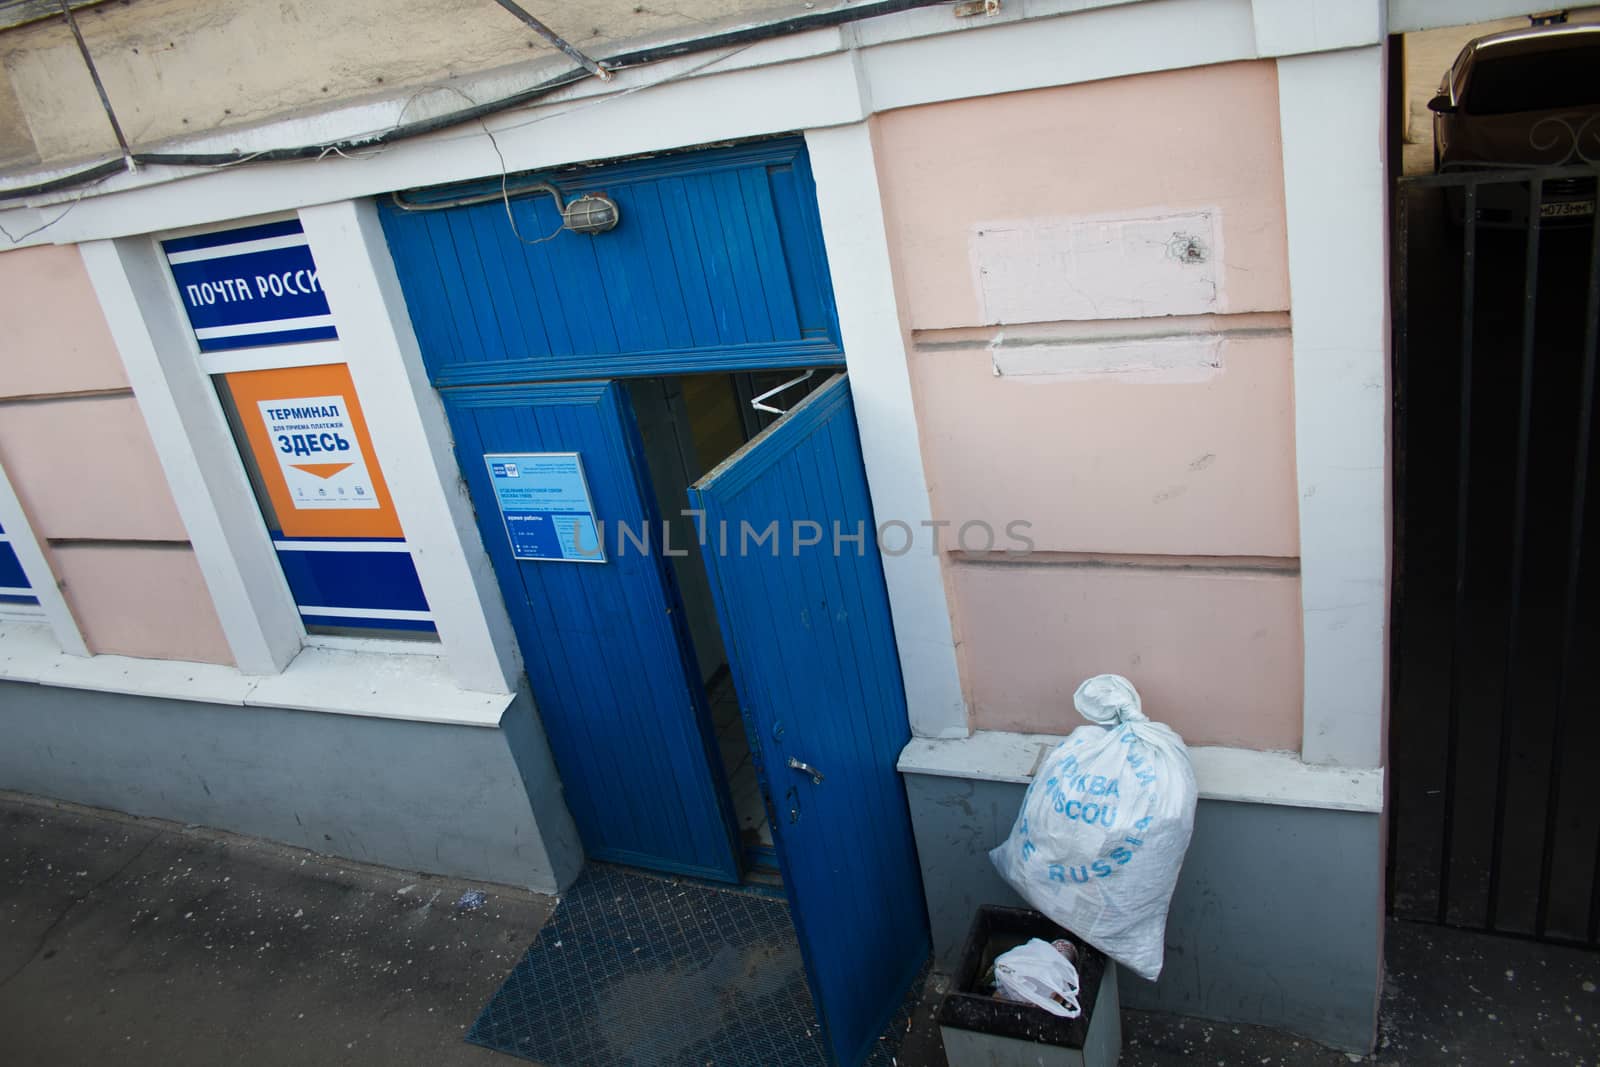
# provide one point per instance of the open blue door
(812, 651)
(604, 643)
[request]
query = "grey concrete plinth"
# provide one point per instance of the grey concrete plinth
(479, 802)
(1276, 919)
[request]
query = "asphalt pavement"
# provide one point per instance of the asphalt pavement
(137, 941)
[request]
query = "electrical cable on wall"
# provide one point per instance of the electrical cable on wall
(99, 86)
(589, 213)
(556, 39)
(737, 39)
(17, 239)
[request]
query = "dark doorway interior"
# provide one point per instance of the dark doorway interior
(689, 424)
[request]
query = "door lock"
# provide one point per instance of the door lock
(806, 768)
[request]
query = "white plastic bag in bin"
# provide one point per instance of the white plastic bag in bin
(1037, 973)
(1104, 826)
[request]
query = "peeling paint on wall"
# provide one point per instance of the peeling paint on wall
(1043, 270)
(1171, 350)
(1176, 359)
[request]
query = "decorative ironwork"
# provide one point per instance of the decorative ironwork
(1549, 133)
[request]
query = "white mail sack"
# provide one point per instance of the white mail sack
(1104, 826)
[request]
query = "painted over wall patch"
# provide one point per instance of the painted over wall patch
(1171, 359)
(1065, 269)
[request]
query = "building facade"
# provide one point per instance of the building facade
(1109, 283)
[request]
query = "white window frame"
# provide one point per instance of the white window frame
(52, 610)
(197, 451)
(171, 379)
(287, 357)
(411, 436)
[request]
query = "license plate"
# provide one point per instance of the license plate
(1562, 209)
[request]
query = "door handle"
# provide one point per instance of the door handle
(806, 768)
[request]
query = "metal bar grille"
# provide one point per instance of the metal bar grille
(1494, 740)
(1519, 532)
(1469, 262)
(1569, 614)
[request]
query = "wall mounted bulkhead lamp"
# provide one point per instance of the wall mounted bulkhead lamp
(590, 213)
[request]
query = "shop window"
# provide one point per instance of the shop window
(324, 499)
(254, 300)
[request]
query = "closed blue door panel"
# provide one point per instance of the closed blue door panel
(716, 263)
(812, 651)
(604, 644)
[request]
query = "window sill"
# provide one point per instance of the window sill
(404, 686)
(1236, 774)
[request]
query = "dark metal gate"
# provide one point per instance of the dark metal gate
(1495, 666)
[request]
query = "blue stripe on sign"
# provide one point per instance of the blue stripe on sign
(372, 580)
(277, 283)
(415, 626)
(230, 237)
(11, 576)
(19, 600)
(236, 283)
(276, 337)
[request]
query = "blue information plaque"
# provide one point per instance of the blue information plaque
(544, 503)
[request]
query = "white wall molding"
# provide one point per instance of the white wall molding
(36, 565)
(1241, 775)
(197, 452)
(272, 357)
(1090, 45)
(812, 80)
(857, 242)
(412, 439)
(1295, 27)
(1332, 117)
(369, 684)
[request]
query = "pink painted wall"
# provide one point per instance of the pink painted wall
(1204, 468)
(88, 470)
(1151, 144)
(1215, 655)
(56, 340)
(76, 448)
(141, 600)
(1095, 283)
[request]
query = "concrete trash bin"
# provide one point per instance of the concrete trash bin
(981, 1031)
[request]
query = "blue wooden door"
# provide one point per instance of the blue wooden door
(812, 652)
(604, 644)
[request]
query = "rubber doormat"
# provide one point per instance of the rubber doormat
(643, 971)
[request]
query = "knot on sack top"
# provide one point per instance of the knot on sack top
(1107, 699)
